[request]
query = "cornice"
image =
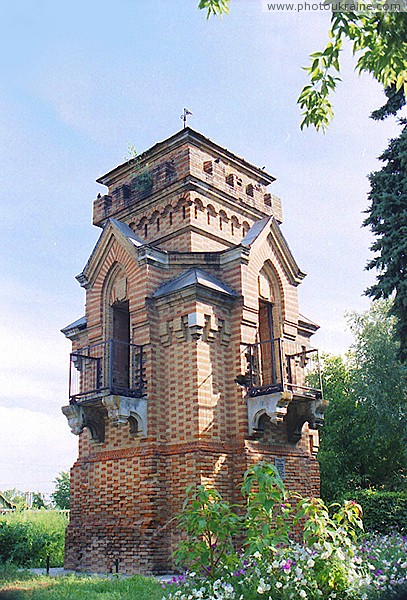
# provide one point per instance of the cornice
(285, 255)
(195, 138)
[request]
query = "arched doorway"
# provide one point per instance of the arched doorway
(120, 347)
(267, 342)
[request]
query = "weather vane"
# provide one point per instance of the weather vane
(185, 116)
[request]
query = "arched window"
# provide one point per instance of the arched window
(269, 326)
(117, 331)
(234, 224)
(223, 218)
(211, 212)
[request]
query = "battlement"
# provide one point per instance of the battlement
(187, 170)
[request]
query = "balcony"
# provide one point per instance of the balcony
(271, 369)
(284, 384)
(107, 368)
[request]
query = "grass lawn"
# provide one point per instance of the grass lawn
(21, 585)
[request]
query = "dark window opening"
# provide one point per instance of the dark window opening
(208, 167)
(121, 351)
(266, 335)
(230, 180)
(126, 191)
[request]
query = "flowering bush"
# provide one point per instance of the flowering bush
(330, 563)
(376, 571)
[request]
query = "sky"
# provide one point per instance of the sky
(81, 81)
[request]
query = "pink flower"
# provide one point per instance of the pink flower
(287, 565)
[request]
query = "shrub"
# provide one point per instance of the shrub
(376, 571)
(382, 511)
(329, 563)
(27, 538)
(209, 524)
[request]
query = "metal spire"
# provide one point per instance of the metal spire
(184, 116)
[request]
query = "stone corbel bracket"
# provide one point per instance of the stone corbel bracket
(273, 405)
(80, 417)
(311, 411)
(133, 411)
(196, 325)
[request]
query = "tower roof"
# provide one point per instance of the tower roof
(197, 139)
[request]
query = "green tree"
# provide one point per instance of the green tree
(396, 99)
(38, 501)
(214, 7)
(336, 463)
(387, 218)
(364, 440)
(378, 37)
(61, 496)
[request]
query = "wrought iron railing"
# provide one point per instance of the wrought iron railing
(111, 366)
(271, 368)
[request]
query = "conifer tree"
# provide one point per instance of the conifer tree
(387, 218)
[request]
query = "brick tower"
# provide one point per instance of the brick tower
(190, 363)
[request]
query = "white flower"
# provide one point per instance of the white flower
(279, 584)
(310, 563)
(263, 587)
(303, 594)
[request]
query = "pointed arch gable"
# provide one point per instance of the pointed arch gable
(271, 259)
(113, 233)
